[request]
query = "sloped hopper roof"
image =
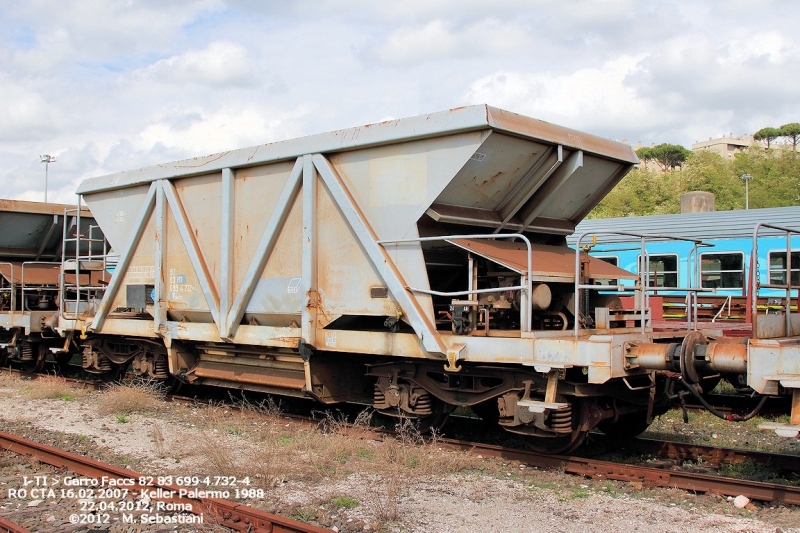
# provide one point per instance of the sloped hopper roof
(475, 165)
(549, 263)
(33, 231)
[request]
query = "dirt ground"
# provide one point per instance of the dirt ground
(353, 483)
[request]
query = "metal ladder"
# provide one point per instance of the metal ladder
(83, 277)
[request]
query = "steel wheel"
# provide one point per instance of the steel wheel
(627, 425)
(568, 442)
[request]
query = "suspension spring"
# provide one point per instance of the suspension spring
(561, 420)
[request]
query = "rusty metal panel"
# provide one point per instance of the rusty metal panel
(555, 263)
(771, 362)
(345, 273)
(772, 326)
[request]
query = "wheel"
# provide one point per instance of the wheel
(115, 375)
(436, 420)
(627, 425)
(173, 385)
(568, 442)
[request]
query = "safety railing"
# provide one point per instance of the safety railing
(524, 287)
(757, 285)
(41, 287)
(24, 287)
(643, 289)
(11, 290)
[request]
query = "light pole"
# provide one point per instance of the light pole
(46, 159)
(746, 179)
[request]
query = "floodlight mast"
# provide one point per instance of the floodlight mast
(746, 179)
(46, 159)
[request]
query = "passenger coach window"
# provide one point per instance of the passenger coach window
(777, 268)
(663, 270)
(613, 260)
(722, 270)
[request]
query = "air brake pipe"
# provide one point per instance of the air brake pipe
(731, 417)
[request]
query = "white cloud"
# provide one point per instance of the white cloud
(439, 39)
(226, 129)
(220, 64)
(111, 86)
(25, 114)
(587, 97)
(772, 45)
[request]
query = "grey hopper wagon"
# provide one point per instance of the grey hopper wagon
(417, 264)
(34, 285)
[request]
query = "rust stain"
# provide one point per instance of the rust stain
(254, 153)
(219, 156)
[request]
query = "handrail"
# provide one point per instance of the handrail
(524, 287)
(12, 288)
(644, 287)
(757, 284)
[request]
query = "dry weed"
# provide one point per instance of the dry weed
(158, 440)
(385, 499)
(51, 387)
(8, 380)
(133, 397)
(221, 457)
(248, 443)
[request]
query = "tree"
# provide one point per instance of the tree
(645, 153)
(792, 132)
(709, 171)
(642, 192)
(767, 134)
(670, 156)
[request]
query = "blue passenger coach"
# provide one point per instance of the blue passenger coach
(715, 255)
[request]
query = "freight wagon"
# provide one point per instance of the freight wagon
(417, 264)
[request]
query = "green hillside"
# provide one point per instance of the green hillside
(775, 183)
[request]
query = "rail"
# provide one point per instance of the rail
(757, 285)
(643, 289)
(228, 513)
(524, 287)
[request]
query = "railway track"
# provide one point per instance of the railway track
(114, 480)
(656, 476)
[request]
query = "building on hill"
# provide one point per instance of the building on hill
(727, 147)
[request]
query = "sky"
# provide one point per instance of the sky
(106, 86)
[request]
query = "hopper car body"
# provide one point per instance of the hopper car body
(416, 265)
